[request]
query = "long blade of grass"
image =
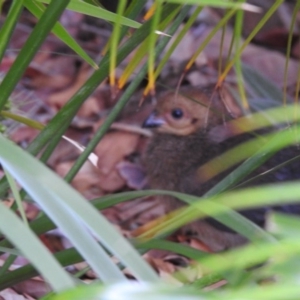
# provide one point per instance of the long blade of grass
(76, 232)
(202, 208)
(9, 25)
(260, 24)
(151, 44)
(33, 43)
(283, 225)
(243, 258)
(218, 3)
(33, 249)
(97, 12)
(44, 224)
(278, 194)
(255, 151)
(173, 247)
(16, 194)
(288, 52)
(114, 41)
(220, 24)
(133, 10)
(242, 99)
(143, 49)
(37, 178)
(175, 43)
(132, 291)
(71, 256)
(37, 9)
(8, 262)
(65, 258)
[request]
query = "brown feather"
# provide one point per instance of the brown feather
(181, 144)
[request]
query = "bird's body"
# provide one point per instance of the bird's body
(181, 144)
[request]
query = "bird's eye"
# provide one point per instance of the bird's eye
(177, 113)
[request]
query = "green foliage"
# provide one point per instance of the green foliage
(267, 268)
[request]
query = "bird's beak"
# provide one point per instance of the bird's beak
(153, 121)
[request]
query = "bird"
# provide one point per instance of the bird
(182, 123)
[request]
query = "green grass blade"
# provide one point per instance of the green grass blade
(44, 224)
(9, 25)
(215, 3)
(258, 26)
(114, 41)
(16, 194)
(284, 225)
(37, 178)
(76, 232)
(97, 12)
(34, 41)
(173, 247)
(37, 10)
(8, 262)
(33, 249)
(62, 216)
(65, 258)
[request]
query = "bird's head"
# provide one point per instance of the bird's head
(192, 109)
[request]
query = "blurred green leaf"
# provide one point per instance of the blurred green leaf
(32, 45)
(34, 250)
(130, 291)
(216, 3)
(10, 22)
(73, 214)
(37, 9)
(16, 195)
(284, 225)
(97, 12)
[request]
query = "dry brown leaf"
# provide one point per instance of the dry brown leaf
(87, 180)
(296, 49)
(6, 64)
(35, 287)
(10, 294)
(200, 246)
(24, 134)
(113, 148)
(186, 49)
(160, 265)
(52, 241)
(270, 63)
(134, 175)
(59, 99)
(64, 151)
(136, 210)
(112, 214)
(111, 182)
(90, 107)
(44, 77)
